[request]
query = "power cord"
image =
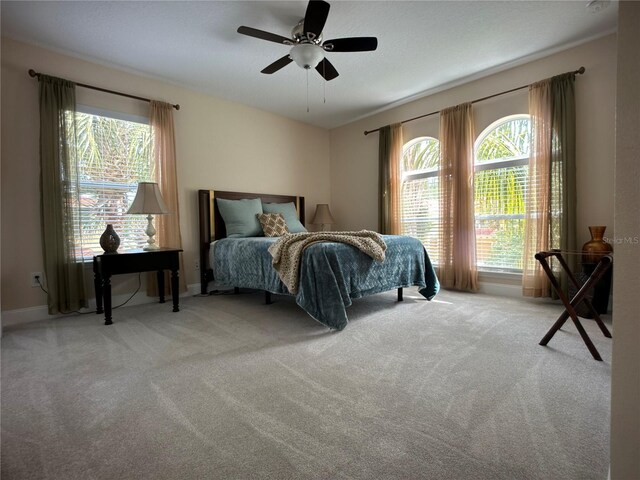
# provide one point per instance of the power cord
(133, 294)
(37, 278)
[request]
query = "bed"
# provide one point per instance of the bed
(331, 274)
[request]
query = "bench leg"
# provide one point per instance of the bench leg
(570, 304)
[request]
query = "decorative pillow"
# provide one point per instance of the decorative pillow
(273, 224)
(240, 217)
(290, 214)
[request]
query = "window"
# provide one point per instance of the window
(114, 154)
(501, 171)
(419, 194)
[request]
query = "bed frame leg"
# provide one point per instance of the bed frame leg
(267, 298)
(205, 276)
(400, 294)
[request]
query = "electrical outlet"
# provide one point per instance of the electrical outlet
(35, 276)
(197, 265)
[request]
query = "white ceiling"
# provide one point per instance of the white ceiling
(422, 45)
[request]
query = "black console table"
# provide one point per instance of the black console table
(108, 264)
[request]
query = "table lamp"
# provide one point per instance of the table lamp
(323, 215)
(149, 201)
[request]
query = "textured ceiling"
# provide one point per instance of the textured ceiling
(422, 45)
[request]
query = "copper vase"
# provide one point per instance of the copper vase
(596, 248)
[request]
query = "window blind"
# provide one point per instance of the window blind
(499, 217)
(113, 156)
(500, 185)
(421, 212)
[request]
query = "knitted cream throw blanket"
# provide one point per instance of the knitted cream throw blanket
(287, 250)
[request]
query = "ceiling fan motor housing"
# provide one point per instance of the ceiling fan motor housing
(299, 36)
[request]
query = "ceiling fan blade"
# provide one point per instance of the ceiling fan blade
(353, 44)
(327, 70)
(315, 18)
(262, 35)
(277, 65)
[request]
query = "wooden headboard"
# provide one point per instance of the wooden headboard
(212, 225)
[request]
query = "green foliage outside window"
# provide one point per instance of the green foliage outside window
(421, 155)
(500, 185)
(499, 196)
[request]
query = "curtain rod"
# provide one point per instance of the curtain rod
(580, 71)
(33, 73)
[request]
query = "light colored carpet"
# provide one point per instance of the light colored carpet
(230, 388)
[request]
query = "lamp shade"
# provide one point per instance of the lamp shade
(323, 215)
(148, 200)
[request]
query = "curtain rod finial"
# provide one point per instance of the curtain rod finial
(176, 106)
(32, 73)
(581, 70)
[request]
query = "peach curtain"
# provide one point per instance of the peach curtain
(164, 154)
(457, 267)
(550, 215)
(534, 281)
(390, 181)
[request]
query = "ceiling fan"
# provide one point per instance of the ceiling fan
(307, 48)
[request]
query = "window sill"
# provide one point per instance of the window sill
(509, 278)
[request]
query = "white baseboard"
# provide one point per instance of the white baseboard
(501, 289)
(33, 314)
(515, 291)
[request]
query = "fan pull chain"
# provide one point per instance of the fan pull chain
(324, 82)
(307, 90)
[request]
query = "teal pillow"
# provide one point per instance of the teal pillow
(240, 217)
(290, 214)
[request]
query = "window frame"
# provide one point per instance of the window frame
(432, 172)
(507, 162)
(94, 186)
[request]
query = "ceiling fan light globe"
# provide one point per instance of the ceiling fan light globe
(306, 55)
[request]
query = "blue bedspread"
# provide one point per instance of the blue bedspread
(331, 274)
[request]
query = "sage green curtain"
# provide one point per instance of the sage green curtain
(563, 170)
(389, 181)
(59, 208)
(550, 219)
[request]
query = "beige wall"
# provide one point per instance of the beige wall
(625, 376)
(354, 157)
(225, 145)
(220, 145)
